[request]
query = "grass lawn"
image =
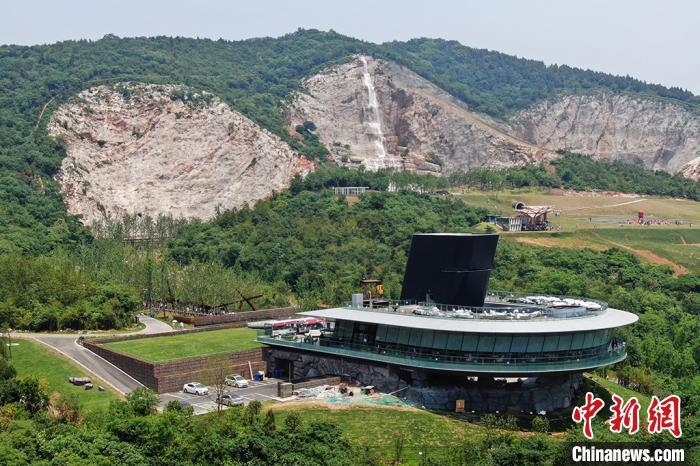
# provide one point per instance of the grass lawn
(33, 358)
(187, 345)
(377, 427)
(592, 220)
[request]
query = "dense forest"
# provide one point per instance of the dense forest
(255, 76)
(38, 429)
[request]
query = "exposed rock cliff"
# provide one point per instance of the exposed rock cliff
(692, 169)
(380, 114)
(164, 150)
(656, 134)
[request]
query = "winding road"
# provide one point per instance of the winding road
(66, 345)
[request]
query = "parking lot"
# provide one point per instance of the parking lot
(262, 391)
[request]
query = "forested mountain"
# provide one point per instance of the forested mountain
(256, 77)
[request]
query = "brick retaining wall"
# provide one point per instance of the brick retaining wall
(170, 376)
(243, 316)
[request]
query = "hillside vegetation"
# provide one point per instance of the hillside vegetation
(581, 173)
(254, 76)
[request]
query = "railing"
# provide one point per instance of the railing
(498, 306)
(464, 362)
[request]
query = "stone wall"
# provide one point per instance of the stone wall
(141, 370)
(440, 390)
(170, 376)
(309, 365)
(285, 389)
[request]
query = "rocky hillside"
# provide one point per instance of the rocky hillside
(649, 132)
(379, 114)
(692, 169)
(148, 149)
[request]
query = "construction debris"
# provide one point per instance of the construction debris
(79, 380)
(345, 394)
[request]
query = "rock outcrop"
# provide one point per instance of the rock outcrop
(650, 132)
(436, 390)
(692, 169)
(420, 127)
(150, 149)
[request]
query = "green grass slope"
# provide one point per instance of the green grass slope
(188, 345)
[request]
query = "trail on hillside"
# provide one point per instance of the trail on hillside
(678, 269)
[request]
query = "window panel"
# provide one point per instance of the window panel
(344, 329)
(426, 340)
(588, 339)
(486, 343)
(416, 335)
(564, 342)
(519, 344)
(470, 341)
(502, 344)
(454, 341)
(599, 338)
(551, 341)
(381, 333)
(440, 340)
(577, 341)
(534, 343)
(404, 334)
(392, 334)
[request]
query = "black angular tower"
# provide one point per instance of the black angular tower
(451, 268)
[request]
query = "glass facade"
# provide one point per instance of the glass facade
(471, 342)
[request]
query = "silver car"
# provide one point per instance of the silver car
(230, 399)
(236, 380)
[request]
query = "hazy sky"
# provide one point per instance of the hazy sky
(657, 41)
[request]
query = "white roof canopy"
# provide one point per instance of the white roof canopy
(611, 318)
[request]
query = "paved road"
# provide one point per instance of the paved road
(262, 391)
(153, 326)
(112, 375)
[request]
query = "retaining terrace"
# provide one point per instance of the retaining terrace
(170, 376)
(199, 320)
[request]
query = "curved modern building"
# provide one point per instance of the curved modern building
(449, 339)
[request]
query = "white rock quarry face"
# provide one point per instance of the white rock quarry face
(379, 114)
(692, 169)
(656, 134)
(153, 154)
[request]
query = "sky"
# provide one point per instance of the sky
(656, 41)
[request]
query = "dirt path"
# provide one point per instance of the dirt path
(604, 206)
(678, 269)
(548, 242)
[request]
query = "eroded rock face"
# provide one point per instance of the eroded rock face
(154, 150)
(692, 169)
(423, 128)
(656, 134)
(440, 390)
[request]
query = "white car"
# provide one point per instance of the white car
(236, 380)
(195, 388)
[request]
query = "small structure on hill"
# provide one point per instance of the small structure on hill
(349, 190)
(526, 218)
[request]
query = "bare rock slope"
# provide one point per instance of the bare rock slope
(149, 149)
(379, 114)
(692, 169)
(656, 134)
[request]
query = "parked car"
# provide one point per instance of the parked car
(230, 399)
(195, 388)
(236, 380)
